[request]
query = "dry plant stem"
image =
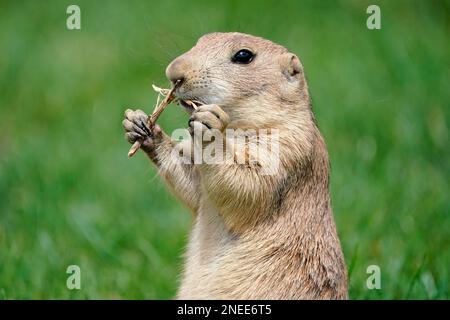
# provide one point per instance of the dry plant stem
(160, 108)
(155, 115)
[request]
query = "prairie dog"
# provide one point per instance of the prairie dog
(254, 236)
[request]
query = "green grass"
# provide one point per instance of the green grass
(69, 195)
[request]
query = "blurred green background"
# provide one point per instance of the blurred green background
(69, 195)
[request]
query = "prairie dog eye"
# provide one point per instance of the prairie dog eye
(243, 56)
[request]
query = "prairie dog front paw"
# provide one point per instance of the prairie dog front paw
(137, 129)
(208, 117)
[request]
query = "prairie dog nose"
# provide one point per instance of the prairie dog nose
(177, 69)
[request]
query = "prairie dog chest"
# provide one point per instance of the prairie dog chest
(210, 237)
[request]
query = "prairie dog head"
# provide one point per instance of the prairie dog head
(241, 73)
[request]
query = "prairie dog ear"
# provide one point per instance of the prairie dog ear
(291, 66)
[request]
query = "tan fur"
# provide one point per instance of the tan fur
(255, 236)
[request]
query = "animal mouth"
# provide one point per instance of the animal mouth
(190, 104)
